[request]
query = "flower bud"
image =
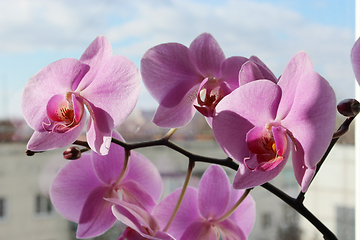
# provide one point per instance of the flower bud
(72, 153)
(349, 107)
(30, 153)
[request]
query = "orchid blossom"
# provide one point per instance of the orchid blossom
(79, 189)
(54, 99)
(141, 224)
(204, 213)
(355, 59)
(180, 78)
(261, 121)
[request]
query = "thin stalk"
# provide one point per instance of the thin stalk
(236, 205)
(169, 134)
(300, 208)
(123, 171)
(182, 194)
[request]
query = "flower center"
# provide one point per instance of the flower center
(267, 145)
(210, 93)
(64, 113)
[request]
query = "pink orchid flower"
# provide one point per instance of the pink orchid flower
(201, 211)
(141, 224)
(79, 189)
(355, 59)
(271, 119)
(179, 78)
(53, 99)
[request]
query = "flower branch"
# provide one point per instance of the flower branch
(300, 208)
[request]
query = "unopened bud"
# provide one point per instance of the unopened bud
(349, 107)
(72, 153)
(31, 153)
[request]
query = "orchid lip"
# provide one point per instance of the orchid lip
(268, 145)
(64, 113)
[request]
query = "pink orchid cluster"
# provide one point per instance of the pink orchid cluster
(95, 190)
(257, 119)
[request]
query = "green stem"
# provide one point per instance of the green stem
(182, 194)
(236, 205)
(123, 171)
(169, 134)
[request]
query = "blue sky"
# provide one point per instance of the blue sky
(37, 32)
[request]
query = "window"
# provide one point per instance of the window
(43, 205)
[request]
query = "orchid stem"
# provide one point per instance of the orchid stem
(236, 205)
(301, 209)
(182, 194)
(169, 134)
(123, 171)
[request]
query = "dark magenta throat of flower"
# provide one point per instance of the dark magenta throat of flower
(64, 112)
(210, 93)
(268, 144)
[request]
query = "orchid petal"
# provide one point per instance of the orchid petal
(116, 73)
(133, 216)
(307, 178)
(303, 174)
(355, 59)
(169, 72)
(249, 72)
(231, 231)
(138, 220)
(230, 71)
(109, 167)
(232, 121)
(177, 116)
(144, 172)
(208, 55)
(266, 72)
(200, 231)
(44, 140)
(265, 97)
(229, 125)
(187, 213)
(53, 79)
(311, 119)
(72, 186)
(125, 216)
(134, 193)
(213, 193)
(96, 215)
(95, 54)
(297, 66)
(99, 130)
